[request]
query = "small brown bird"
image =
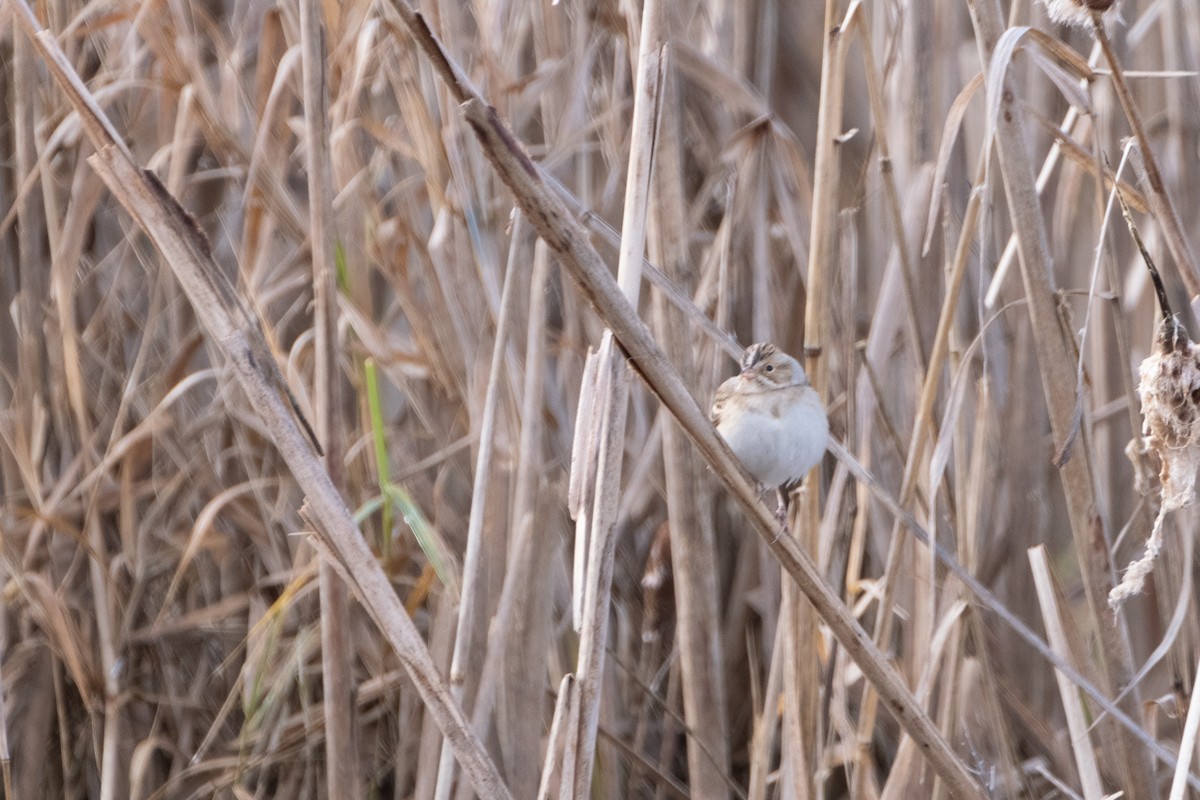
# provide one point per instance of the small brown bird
(772, 418)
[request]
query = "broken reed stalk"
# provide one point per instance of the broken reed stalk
(597, 533)
(186, 251)
(612, 403)
(337, 654)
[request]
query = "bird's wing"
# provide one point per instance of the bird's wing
(724, 392)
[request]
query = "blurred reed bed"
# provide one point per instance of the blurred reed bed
(844, 180)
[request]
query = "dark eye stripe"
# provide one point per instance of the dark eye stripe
(756, 354)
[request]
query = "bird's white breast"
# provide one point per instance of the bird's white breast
(779, 436)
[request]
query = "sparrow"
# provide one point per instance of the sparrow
(772, 419)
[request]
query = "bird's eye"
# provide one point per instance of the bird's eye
(770, 367)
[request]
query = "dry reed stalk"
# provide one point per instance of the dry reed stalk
(1108, 370)
(692, 537)
(762, 324)
(610, 406)
(337, 654)
(1056, 366)
(1159, 197)
(114, 779)
(823, 237)
(762, 744)
(1050, 598)
(473, 599)
(1187, 747)
(801, 739)
(899, 546)
(1045, 173)
(5, 752)
(514, 619)
(670, 730)
(971, 497)
(556, 740)
(441, 647)
(32, 215)
(879, 114)
(665, 285)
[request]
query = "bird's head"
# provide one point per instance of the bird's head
(766, 367)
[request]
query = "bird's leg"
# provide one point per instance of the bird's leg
(781, 511)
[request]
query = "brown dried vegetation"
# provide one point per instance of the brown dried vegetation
(855, 182)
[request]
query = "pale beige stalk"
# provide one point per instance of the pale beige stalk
(337, 654)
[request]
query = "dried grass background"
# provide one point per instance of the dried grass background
(162, 627)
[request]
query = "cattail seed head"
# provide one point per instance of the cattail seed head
(1076, 12)
(1170, 394)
